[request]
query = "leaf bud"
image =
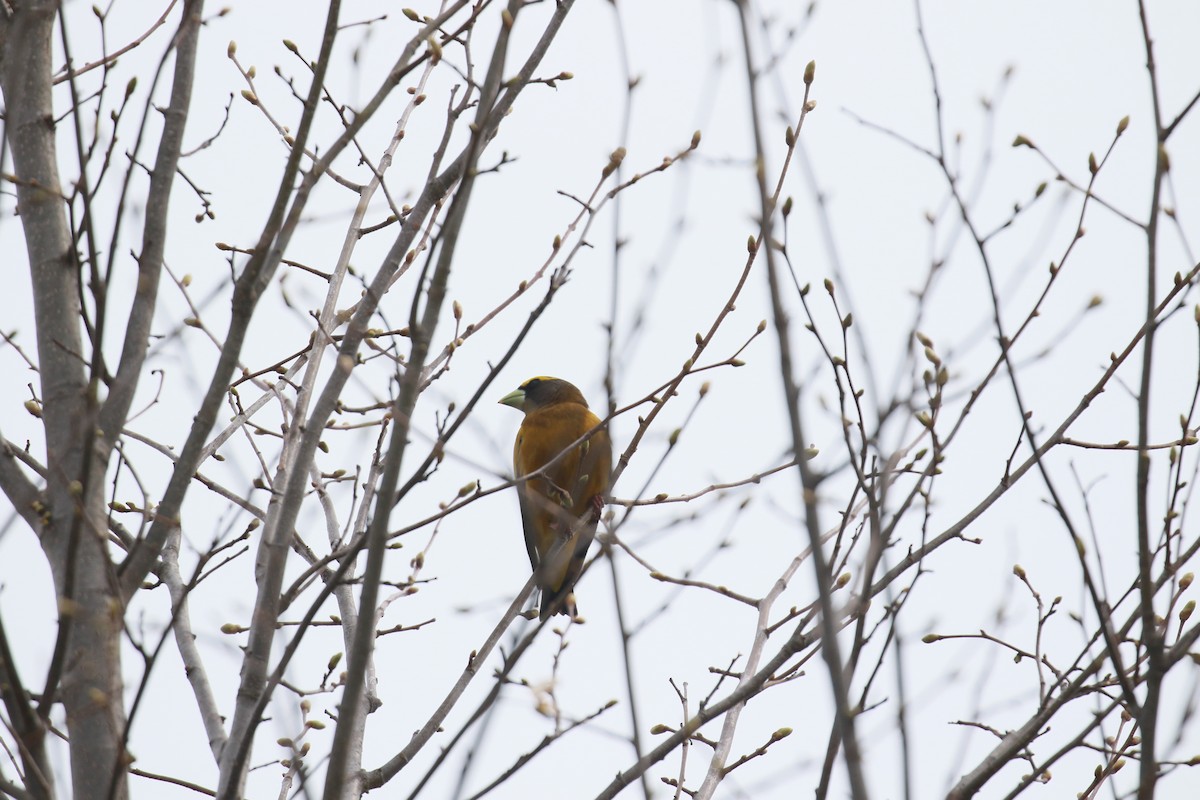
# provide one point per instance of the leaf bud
(614, 161)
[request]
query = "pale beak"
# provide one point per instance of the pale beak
(515, 398)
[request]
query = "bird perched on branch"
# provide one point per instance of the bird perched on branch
(561, 504)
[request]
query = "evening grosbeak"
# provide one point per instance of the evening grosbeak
(560, 507)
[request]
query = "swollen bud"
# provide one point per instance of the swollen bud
(614, 161)
(809, 73)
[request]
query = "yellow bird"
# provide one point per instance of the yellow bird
(561, 506)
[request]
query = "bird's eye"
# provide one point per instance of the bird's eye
(532, 382)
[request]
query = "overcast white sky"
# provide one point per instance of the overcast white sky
(1078, 67)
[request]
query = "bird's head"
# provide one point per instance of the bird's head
(542, 391)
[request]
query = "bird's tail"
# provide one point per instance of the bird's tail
(558, 603)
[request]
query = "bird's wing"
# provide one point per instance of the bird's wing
(527, 504)
(588, 479)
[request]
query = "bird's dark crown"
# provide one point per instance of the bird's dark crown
(544, 390)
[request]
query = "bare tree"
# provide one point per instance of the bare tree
(213, 374)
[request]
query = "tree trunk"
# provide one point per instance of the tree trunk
(73, 528)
